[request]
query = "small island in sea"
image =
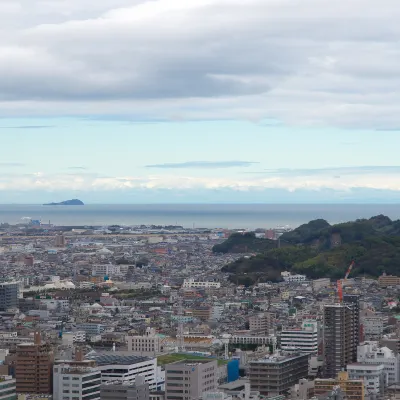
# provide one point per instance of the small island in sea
(73, 202)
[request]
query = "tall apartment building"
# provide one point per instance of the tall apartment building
(148, 344)
(7, 388)
(341, 332)
(350, 388)
(120, 391)
(354, 301)
(188, 380)
(262, 322)
(276, 374)
(305, 340)
(34, 367)
(9, 295)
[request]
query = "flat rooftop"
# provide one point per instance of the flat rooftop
(106, 359)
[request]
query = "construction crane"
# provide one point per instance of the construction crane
(340, 282)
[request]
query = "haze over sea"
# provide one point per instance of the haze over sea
(201, 215)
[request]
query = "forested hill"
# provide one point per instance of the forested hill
(318, 249)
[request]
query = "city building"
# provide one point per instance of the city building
(303, 390)
(76, 382)
(305, 340)
(373, 324)
(148, 344)
(340, 330)
(352, 389)
(60, 241)
(91, 329)
(121, 391)
(371, 353)
(188, 380)
(106, 270)
(126, 368)
(388, 280)
(276, 374)
(34, 367)
(318, 284)
(192, 283)
(7, 388)
(9, 293)
(293, 278)
(374, 377)
(262, 322)
(353, 301)
(202, 312)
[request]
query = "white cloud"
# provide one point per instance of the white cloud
(375, 178)
(303, 62)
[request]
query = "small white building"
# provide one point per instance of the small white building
(192, 283)
(293, 278)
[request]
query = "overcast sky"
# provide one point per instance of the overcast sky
(199, 100)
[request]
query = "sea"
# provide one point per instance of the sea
(229, 216)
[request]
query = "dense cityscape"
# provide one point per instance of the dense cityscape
(146, 312)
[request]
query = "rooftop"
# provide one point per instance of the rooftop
(105, 359)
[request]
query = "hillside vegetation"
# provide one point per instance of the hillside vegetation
(244, 243)
(318, 249)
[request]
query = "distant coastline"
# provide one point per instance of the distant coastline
(246, 216)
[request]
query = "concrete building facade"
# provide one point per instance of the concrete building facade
(148, 344)
(305, 340)
(8, 390)
(188, 380)
(34, 367)
(9, 292)
(76, 382)
(340, 331)
(262, 322)
(120, 391)
(276, 374)
(351, 388)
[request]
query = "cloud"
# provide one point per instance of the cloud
(27, 127)
(78, 168)
(341, 180)
(361, 170)
(11, 164)
(303, 62)
(203, 164)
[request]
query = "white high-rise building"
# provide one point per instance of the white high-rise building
(76, 382)
(371, 353)
(305, 339)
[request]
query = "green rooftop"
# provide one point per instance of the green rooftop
(170, 358)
